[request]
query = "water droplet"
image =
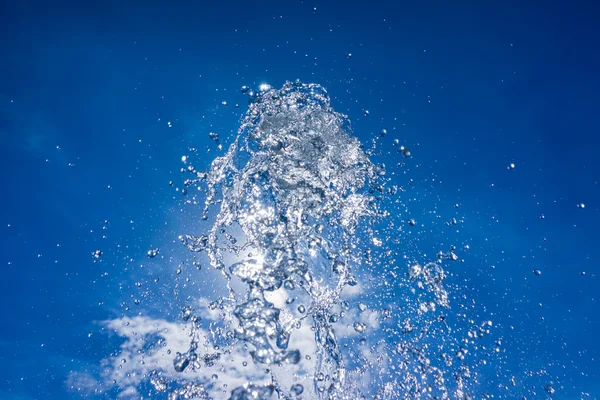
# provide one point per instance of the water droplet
(412, 222)
(297, 389)
(213, 136)
(244, 89)
(360, 327)
(301, 309)
(186, 313)
(549, 388)
(537, 272)
(339, 267)
(383, 133)
(264, 87)
(406, 153)
(97, 254)
(152, 253)
(180, 362)
(289, 285)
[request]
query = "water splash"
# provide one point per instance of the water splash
(296, 184)
(298, 199)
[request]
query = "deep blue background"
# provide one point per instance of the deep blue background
(469, 87)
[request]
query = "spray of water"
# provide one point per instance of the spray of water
(296, 199)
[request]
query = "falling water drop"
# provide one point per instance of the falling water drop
(152, 253)
(297, 389)
(360, 327)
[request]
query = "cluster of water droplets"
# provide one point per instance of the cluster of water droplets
(297, 199)
(303, 185)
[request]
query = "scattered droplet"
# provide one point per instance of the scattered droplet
(383, 133)
(360, 327)
(180, 362)
(152, 253)
(289, 285)
(186, 313)
(297, 389)
(264, 87)
(213, 136)
(339, 267)
(537, 272)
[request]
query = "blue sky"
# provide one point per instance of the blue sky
(87, 92)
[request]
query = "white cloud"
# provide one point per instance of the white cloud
(150, 345)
